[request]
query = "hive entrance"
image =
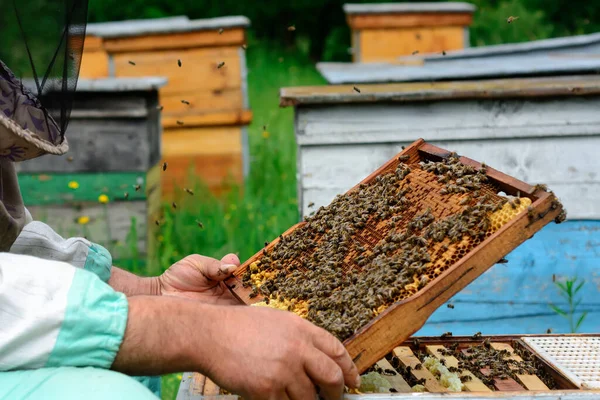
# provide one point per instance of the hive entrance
(381, 242)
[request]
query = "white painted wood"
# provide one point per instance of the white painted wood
(447, 120)
(401, 8)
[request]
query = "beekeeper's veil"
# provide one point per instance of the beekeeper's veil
(42, 41)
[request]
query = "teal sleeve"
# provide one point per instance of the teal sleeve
(94, 324)
(98, 261)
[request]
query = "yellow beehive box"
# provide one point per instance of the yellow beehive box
(384, 32)
(204, 105)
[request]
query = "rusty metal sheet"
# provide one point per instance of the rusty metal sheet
(428, 91)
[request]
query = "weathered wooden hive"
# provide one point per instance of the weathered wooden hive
(205, 107)
(539, 130)
(383, 32)
(114, 151)
(552, 367)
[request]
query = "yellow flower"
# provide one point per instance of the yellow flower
(265, 135)
(73, 185)
(103, 199)
(180, 376)
(84, 219)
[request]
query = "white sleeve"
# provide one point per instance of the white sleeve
(52, 315)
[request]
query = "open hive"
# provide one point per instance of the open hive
(395, 247)
(489, 366)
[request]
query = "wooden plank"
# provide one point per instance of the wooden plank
(408, 359)
(197, 385)
(211, 388)
(94, 64)
(201, 101)
(199, 69)
(214, 171)
(504, 385)
(396, 381)
(212, 118)
(472, 385)
(531, 382)
(208, 38)
(199, 141)
(397, 20)
(46, 189)
(93, 43)
(380, 45)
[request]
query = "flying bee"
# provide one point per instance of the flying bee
(291, 28)
(159, 107)
(179, 63)
(511, 19)
(443, 52)
(126, 195)
(502, 261)
(131, 62)
(200, 224)
(164, 167)
(185, 102)
(450, 305)
(137, 187)
(311, 204)
(70, 159)
(179, 122)
(157, 222)
(357, 90)
(189, 191)
(415, 52)
(174, 205)
(244, 46)
(220, 65)
(221, 30)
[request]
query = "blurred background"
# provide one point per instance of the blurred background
(188, 151)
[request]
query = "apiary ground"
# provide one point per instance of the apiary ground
(381, 242)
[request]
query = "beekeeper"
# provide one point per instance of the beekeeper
(73, 326)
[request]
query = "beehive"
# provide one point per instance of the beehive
(396, 246)
(114, 148)
(384, 32)
(204, 106)
(515, 370)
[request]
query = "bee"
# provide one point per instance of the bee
(131, 62)
(200, 224)
(126, 195)
(70, 159)
(159, 107)
(311, 204)
(266, 244)
(179, 62)
(174, 205)
(540, 186)
(189, 191)
(476, 336)
(291, 28)
(530, 212)
(415, 52)
(164, 167)
(465, 378)
(465, 200)
(404, 158)
(252, 295)
(419, 367)
(450, 305)
(549, 330)
(185, 102)
(220, 65)
(418, 36)
(137, 187)
(357, 90)
(446, 335)
(511, 19)
(443, 361)
(157, 222)
(502, 261)
(221, 30)
(443, 52)
(244, 46)
(179, 122)
(416, 342)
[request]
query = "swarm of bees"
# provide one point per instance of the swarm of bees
(380, 243)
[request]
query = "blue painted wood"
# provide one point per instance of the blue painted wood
(515, 297)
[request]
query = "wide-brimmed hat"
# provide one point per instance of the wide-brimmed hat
(26, 128)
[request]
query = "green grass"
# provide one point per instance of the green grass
(267, 204)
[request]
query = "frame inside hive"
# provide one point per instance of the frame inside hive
(467, 259)
(393, 368)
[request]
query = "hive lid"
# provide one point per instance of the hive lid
(140, 84)
(577, 358)
(387, 8)
(162, 26)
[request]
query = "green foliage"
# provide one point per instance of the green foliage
(568, 290)
(490, 24)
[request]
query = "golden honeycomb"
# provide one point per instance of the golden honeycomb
(380, 243)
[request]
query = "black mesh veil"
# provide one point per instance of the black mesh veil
(42, 43)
